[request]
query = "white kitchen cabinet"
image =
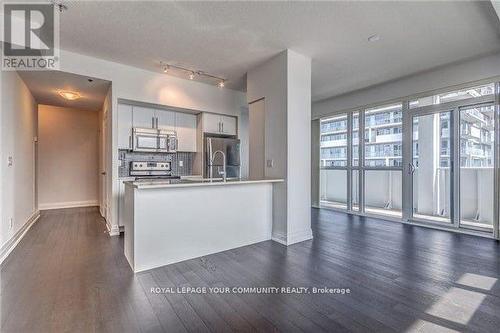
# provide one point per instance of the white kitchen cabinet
(218, 124)
(121, 199)
(124, 126)
(166, 119)
(228, 125)
(143, 117)
(211, 123)
(185, 125)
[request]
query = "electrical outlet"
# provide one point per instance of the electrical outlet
(181, 163)
(270, 163)
(11, 223)
(10, 161)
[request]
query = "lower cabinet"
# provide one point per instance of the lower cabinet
(121, 200)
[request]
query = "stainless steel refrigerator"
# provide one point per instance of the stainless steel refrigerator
(230, 148)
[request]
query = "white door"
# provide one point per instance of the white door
(103, 207)
(228, 125)
(211, 123)
(124, 126)
(185, 125)
(166, 119)
(256, 136)
(143, 117)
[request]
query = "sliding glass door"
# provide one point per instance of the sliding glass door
(431, 167)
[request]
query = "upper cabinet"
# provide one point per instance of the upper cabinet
(144, 117)
(124, 126)
(211, 123)
(218, 124)
(228, 125)
(165, 120)
(185, 126)
(138, 116)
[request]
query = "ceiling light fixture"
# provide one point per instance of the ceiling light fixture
(192, 74)
(69, 95)
(374, 38)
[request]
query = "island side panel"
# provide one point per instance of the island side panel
(128, 222)
(176, 224)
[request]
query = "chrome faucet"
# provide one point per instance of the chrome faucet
(212, 158)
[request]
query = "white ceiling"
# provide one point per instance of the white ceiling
(44, 85)
(229, 38)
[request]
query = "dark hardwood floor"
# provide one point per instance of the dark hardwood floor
(67, 275)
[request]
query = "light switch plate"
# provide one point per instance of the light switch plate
(270, 163)
(181, 163)
(10, 161)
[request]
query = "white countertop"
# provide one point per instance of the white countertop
(173, 183)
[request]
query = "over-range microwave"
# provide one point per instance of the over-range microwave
(154, 140)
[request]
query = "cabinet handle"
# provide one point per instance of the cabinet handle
(130, 142)
(152, 122)
(156, 122)
(222, 127)
(218, 129)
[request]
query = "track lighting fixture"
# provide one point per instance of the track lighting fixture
(192, 74)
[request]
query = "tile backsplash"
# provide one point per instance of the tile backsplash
(186, 159)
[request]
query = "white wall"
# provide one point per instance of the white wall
(145, 86)
(18, 120)
(243, 130)
(68, 156)
(257, 123)
(269, 81)
(285, 83)
(441, 78)
(299, 146)
(315, 137)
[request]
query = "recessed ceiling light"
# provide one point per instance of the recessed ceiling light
(191, 76)
(69, 95)
(221, 84)
(374, 38)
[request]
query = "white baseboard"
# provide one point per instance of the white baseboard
(113, 230)
(279, 238)
(11, 244)
(290, 239)
(68, 204)
(300, 236)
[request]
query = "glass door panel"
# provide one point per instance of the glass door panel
(333, 161)
(432, 167)
(477, 185)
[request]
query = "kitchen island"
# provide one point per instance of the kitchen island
(167, 221)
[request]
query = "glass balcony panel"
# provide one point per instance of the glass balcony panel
(383, 192)
(333, 188)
